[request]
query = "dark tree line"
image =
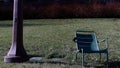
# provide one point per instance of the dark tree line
(34, 9)
(6, 1)
(63, 1)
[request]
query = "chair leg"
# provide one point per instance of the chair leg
(100, 57)
(76, 56)
(107, 60)
(82, 57)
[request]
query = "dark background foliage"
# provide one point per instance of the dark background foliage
(63, 9)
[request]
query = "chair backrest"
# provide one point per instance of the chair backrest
(87, 41)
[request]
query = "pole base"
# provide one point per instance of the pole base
(14, 59)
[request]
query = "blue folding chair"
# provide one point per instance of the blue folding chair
(87, 42)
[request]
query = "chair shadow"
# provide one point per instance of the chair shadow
(114, 64)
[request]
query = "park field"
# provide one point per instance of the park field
(52, 38)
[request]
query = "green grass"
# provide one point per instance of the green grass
(53, 38)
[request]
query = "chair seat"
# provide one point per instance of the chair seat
(100, 51)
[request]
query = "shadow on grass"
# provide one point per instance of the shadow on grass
(30, 56)
(114, 64)
(5, 25)
(38, 23)
(40, 59)
(10, 25)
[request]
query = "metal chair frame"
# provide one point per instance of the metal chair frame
(81, 48)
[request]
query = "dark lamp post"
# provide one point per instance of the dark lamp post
(17, 52)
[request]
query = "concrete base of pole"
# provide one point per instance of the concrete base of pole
(14, 59)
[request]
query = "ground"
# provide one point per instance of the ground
(52, 38)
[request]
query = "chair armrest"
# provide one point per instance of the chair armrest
(104, 40)
(107, 43)
(74, 39)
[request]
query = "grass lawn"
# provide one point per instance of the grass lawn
(51, 38)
